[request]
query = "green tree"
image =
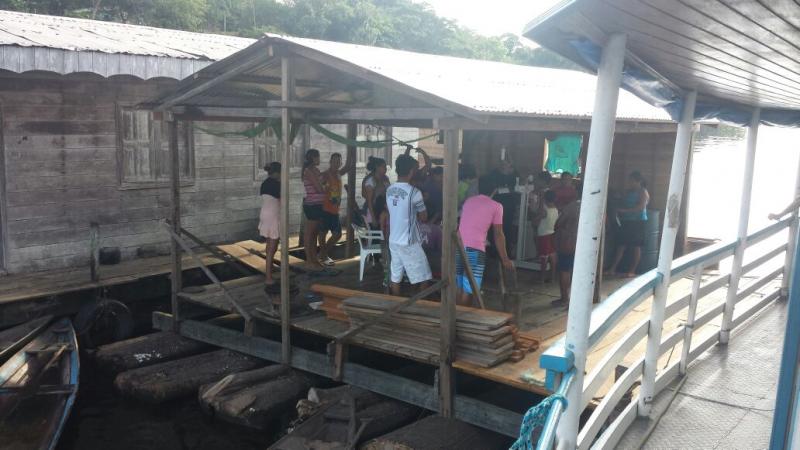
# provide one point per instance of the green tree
(400, 24)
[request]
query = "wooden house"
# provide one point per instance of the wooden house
(76, 149)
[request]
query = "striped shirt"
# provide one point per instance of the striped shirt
(313, 196)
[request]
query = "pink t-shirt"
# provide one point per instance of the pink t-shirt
(477, 216)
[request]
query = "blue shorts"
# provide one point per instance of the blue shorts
(330, 222)
(565, 262)
(477, 262)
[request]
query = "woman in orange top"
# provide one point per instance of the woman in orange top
(332, 179)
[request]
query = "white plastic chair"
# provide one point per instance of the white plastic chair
(370, 242)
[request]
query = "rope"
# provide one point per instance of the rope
(535, 418)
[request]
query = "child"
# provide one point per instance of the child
(545, 235)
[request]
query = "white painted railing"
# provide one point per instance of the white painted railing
(596, 432)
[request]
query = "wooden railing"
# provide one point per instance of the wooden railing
(596, 432)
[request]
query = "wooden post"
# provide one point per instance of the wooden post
(452, 147)
(175, 219)
(287, 90)
(352, 132)
(94, 251)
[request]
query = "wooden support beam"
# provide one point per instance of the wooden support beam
(287, 92)
(176, 282)
(352, 132)
(231, 72)
(94, 251)
(177, 238)
(468, 409)
(534, 123)
(228, 259)
(452, 148)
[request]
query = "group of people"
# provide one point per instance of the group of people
(554, 211)
(409, 214)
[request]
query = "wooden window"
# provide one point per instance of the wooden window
(367, 132)
(267, 148)
(144, 149)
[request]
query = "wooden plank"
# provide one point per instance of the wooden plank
(390, 312)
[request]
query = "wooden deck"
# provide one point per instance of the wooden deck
(27, 286)
(538, 319)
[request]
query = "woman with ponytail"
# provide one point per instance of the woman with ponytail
(373, 186)
(312, 206)
(632, 217)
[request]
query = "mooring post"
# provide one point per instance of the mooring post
(175, 218)
(452, 148)
(741, 235)
(590, 225)
(287, 91)
(672, 219)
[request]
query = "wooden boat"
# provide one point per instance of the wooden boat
(14, 338)
(38, 386)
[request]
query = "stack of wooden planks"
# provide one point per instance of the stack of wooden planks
(483, 338)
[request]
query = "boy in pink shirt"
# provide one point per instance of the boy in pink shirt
(478, 214)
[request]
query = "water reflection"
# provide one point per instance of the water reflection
(717, 168)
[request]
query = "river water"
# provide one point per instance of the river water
(716, 181)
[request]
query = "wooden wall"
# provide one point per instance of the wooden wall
(649, 153)
(60, 146)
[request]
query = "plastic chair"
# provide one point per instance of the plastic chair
(370, 242)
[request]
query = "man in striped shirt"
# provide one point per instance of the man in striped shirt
(406, 209)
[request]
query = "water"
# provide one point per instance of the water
(716, 181)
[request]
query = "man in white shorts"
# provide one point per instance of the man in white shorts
(406, 209)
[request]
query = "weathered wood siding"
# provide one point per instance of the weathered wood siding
(61, 159)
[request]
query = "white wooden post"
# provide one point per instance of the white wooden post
(744, 218)
(590, 225)
(792, 241)
(672, 219)
(688, 328)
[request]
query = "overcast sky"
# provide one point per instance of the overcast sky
(493, 17)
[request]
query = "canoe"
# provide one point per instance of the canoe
(38, 386)
(13, 339)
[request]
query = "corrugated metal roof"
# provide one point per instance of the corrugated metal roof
(66, 45)
(66, 33)
(487, 86)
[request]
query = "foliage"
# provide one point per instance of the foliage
(401, 24)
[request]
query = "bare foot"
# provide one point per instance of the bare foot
(313, 267)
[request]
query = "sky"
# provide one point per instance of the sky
(491, 18)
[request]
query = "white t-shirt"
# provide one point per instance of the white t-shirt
(404, 202)
(548, 222)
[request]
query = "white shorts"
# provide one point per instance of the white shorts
(412, 260)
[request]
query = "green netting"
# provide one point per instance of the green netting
(275, 124)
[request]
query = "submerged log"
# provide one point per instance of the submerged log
(438, 433)
(257, 397)
(333, 427)
(173, 379)
(145, 351)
